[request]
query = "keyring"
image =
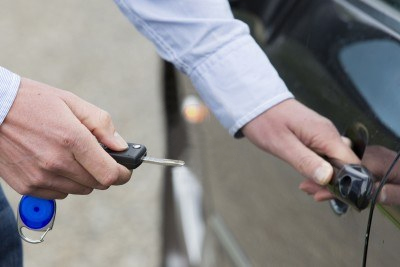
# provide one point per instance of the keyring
(35, 214)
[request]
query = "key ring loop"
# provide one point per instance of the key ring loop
(29, 240)
(35, 214)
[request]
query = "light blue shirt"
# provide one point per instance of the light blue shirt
(202, 39)
(9, 83)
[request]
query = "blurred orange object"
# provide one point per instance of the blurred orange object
(194, 110)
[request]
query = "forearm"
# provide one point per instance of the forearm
(202, 39)
(9, 84)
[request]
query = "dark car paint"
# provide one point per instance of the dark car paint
(330, 71)
(253, 212)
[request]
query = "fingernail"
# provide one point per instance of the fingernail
(382, 195)
(120, 141)
(347, 141)
(302, 187)
(323, 173)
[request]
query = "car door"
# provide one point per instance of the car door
(340, 58)
(350, 67)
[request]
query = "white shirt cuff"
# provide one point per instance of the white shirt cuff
(239, 83)
(9, 84)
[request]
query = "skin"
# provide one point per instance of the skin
(53, 156)
(49, 144)
(298, 135)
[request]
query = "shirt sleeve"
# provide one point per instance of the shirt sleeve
(9, 84)
(202, 39)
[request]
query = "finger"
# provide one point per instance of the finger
(330, 144)
(296, 134)
(48, 194)
(304, 160)
(318, 192)
(78, 174)
(64, 185)
(390, 194)
(313, 135)
(347, 141)
(98, 121)
(310, 187)
(378, 160)
(319, 134)
(98, 162)
(323, 195)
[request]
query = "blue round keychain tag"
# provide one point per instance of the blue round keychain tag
(35, 214)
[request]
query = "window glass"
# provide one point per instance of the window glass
(374, 67)
(390, 7)
(393, 3)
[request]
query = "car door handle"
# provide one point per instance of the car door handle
(352, 184)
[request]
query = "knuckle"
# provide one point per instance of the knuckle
(62, 196)
(50, 165)
(69, 95)
(38, 181)
(104, 117)
(304, 163)
(24, 190)
(102, 187)
(327, 124)
(69, 140)
(110, 177)
(324, 140)
(86, 191)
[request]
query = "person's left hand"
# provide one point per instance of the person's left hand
(298, 135)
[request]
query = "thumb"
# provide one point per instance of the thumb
(98, 121)
(306, 161)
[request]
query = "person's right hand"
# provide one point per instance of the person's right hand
(300, 136)
(49, 144)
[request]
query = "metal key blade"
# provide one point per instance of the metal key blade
(163, 162)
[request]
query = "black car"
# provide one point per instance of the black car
(233, 205)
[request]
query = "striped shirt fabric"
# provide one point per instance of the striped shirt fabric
(202, 39)
(9, 84)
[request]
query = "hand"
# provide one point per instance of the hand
(298, 135)
(377, 160)
(48, 145)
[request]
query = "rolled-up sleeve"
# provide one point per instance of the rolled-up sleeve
(202, 39)
(9, 84)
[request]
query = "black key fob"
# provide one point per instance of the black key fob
(131, 158)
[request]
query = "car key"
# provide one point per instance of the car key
(136, 154)
(37, 214)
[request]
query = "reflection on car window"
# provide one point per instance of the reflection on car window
(393, 3)
(374, 66)
(388, 6)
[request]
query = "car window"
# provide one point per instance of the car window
(373, 67)
(390, 7)
(393, 3)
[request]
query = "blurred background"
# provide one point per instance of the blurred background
(89, 48)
